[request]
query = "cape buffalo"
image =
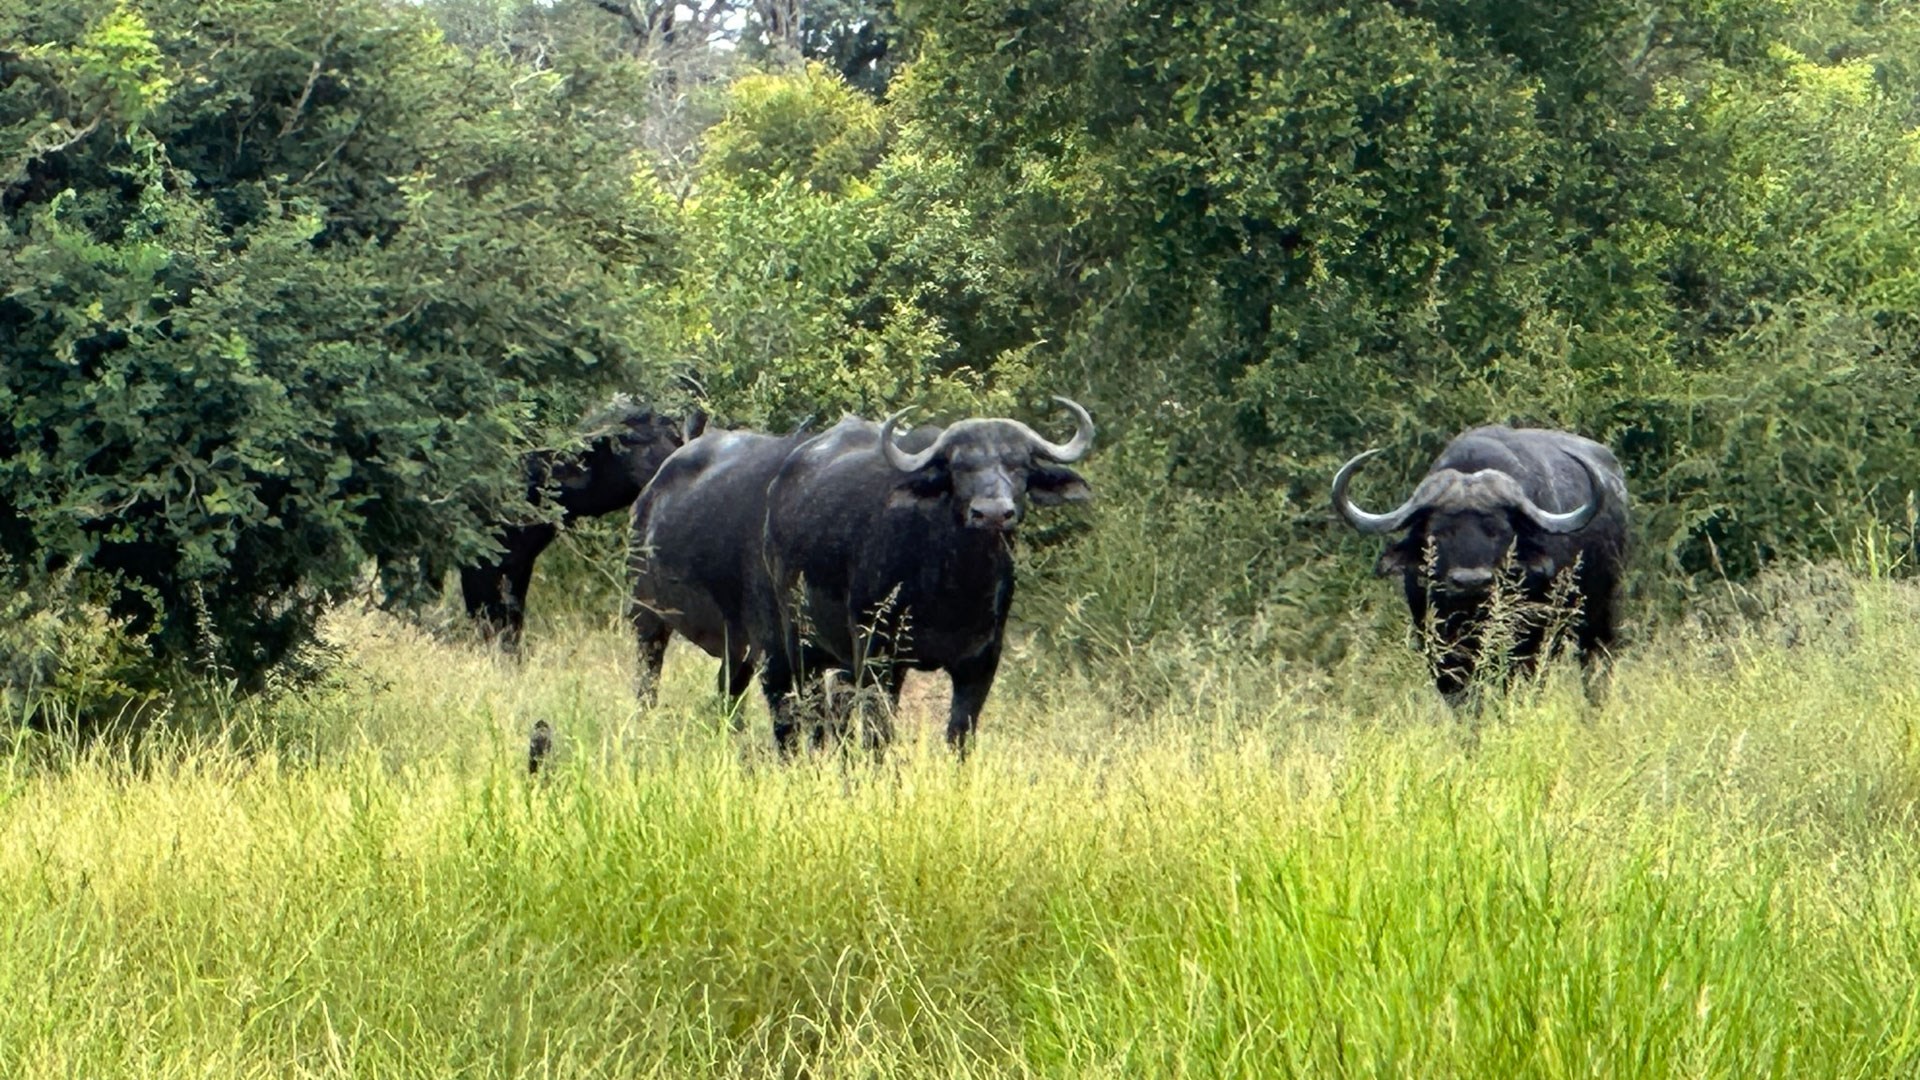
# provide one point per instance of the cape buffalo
(1537, 502)
(626, 449)
(696, 543)
(881, 558)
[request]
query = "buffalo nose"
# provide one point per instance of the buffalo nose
(992, 514)
(1469, 577)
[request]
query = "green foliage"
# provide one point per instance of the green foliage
(810, 129)
(63, 658)
(802, 291)
(1788, 452)
(283, 291)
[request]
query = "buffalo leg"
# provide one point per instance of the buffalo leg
(736, 664)
(1458, 640)
(841, 696)
(496, 592)
(524, 545)
(519, 574)
(1450, 666)
(480, 587)
(1454, 681)
(876, 716)
(1596, 640)
(1530, 642)
(972, 679)
(776, 682)
(736, 679)
(651, 633)
(1454, 658)
(821, 698)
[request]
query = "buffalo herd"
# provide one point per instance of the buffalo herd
(855, 554)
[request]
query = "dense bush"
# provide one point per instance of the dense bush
(281, 288)
(826, 270)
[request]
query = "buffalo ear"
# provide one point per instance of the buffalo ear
(925, 486)
(1397, 559)
(693, 425)
(1530, 554)
(1053, 485)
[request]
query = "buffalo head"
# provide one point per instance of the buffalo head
(986, 469)
(628, 445)
(1473, 521)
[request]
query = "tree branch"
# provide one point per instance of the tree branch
(17, 171)
(306, 94)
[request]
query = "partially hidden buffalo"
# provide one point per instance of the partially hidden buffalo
(1523, 504)
(880, 558)
(627, 444)
(696, 545)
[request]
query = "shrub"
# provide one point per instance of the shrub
(282, 290)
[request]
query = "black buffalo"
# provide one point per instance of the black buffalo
(696, 545)
(880, 559)
(624, 450)
(1524, 502)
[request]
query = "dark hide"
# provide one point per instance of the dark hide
(607, 477)
(876, 571)
(1470, 529)
(696, 543)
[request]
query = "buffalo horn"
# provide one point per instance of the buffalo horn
(1360, 519)
(1578, 517)
(691, 384)
(1075, 448)
(899, 458)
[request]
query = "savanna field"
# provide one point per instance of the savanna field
(318, 320)
(1266, 872)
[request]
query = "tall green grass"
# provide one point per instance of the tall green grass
(1713, 873)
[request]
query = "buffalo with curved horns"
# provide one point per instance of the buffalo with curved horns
(1534, 501)
(880, 558)
(627, 445)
